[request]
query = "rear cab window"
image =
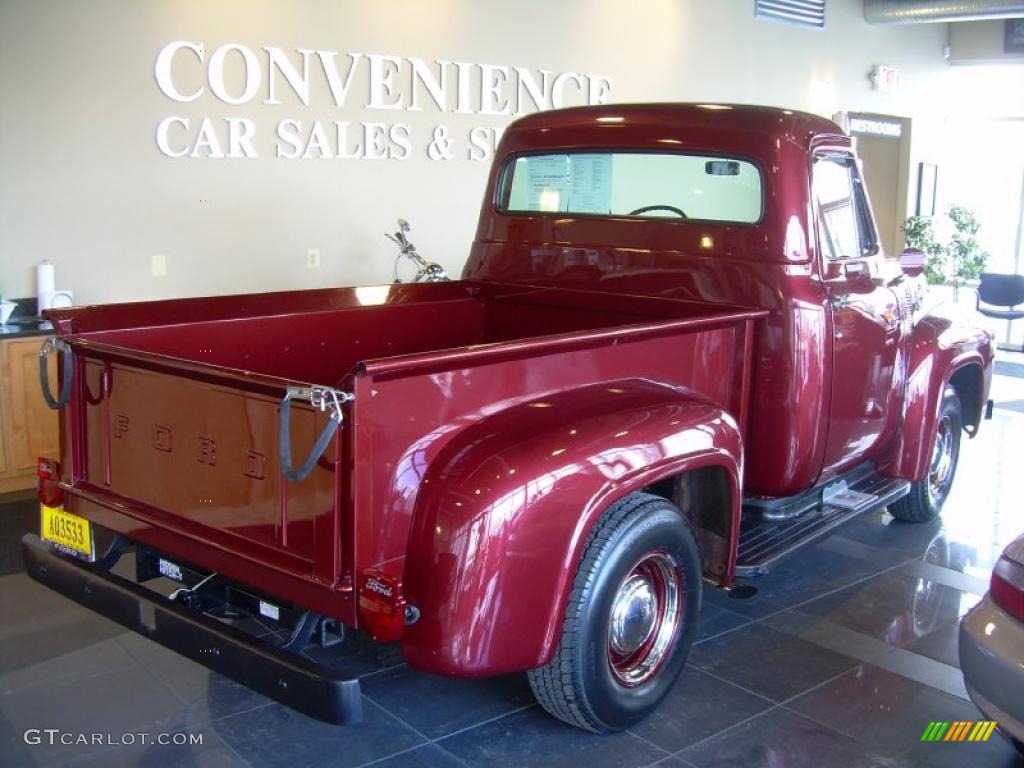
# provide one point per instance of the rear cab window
(633, 184)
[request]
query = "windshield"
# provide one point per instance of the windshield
(644, 185)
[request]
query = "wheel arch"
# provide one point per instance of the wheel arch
(497, 538)
(968, 381)
(943, 353)
(708, 496)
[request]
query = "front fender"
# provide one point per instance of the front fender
(503, 515)
(941, 344)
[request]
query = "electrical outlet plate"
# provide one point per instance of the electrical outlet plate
(313, 258)
(158, 264)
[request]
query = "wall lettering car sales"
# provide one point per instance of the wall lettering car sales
(386, 84)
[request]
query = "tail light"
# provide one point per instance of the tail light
(49, 492)
(1007, 587)
(381, 606)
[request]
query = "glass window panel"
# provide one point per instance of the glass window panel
(646, 185)
(833, 190)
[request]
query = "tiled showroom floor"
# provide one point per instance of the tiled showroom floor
(843, 658)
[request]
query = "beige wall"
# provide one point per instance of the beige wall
(981, 42)
(83, 183)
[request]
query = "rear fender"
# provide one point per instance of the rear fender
(943, 352)
(503, 516)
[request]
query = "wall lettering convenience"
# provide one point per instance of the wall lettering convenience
(337, 83)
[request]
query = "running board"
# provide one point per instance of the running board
(765, 542)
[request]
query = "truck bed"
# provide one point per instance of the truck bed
(334, 332)
(171, 435)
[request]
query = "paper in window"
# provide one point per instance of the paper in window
(590, 183)
(549, 183)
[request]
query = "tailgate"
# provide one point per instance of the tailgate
(196, 451)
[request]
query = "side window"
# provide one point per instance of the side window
(843, 217)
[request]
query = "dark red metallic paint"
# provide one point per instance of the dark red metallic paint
(828, 386)
(865, 351)
(941, 346)
(169, 422)
(770, 265)
(504, 513)
(495, 418)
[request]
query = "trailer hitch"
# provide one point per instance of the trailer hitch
(325, 399)
(53, 344)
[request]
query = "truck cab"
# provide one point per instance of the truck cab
(770, 211)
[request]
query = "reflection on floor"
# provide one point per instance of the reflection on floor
(844, 657)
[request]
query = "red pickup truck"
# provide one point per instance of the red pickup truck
(677, 355)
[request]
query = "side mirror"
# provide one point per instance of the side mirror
(855, 272)
(912, 262)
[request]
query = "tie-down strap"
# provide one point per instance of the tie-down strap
(53, 344)
(325, 399)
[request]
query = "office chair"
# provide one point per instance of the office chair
(998, 290)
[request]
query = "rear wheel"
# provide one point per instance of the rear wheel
(926, 497)
(630, 620)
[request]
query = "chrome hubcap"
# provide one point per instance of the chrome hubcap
(645, 619)
(942, 461)
(633, 615)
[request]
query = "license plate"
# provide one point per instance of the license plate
(170, 570)
(67, 532)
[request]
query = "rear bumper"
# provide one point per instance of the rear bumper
(293, 680)
(992, 660)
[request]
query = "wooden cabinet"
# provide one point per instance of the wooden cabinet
(29, 427)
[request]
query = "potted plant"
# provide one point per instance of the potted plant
(920, 234)
(958, 258)
(968, 259)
